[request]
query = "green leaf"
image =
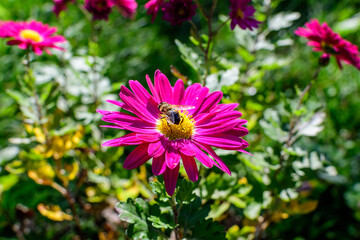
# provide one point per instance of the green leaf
(7, 182)
(189, 55)
(186, 194)
(160, 220)
(158, 188)
(252, 211)
(135, 213)
(192, 218)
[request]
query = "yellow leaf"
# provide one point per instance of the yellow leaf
(242, 181)
(73, 170)
(53, 212)
(39, 135)
(43, 175)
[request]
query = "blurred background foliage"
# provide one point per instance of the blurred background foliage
(56, 181)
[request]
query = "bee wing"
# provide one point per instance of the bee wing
(183, 107)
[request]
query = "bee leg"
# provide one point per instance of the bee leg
(169, 127)
(181, 121)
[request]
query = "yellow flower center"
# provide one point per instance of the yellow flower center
(240, 13)
(29, 34)
(181, 11)
(183, 130)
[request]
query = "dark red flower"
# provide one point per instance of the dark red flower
(100, 9)
(60, 5)
(324, 39)
(178, 11)
(242, 14)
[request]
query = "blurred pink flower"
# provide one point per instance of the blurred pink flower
(153, 7)
(33, 34)
(178, 11)
(207, 124)
(324, 39)
(60, 5)
(242, 14)
(126, 7)
(100, 9)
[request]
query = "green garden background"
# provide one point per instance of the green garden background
(70, 188)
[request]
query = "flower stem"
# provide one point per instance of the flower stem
(66, 193)
(176, 216)
(295, 119)
(207, 50)
(95, 30)
(35, 96)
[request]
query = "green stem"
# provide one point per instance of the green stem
(32, 86)
(210, 38)
(176, 216)
(295, 119)
(95, 31)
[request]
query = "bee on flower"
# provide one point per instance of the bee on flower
(173, 125)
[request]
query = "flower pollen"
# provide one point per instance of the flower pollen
(28, 34)
(240, 13)
(183, 130)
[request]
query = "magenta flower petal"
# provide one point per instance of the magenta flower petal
(127, 140)
(198, 100)
(203, 158)
(179, 90)
(170, 179)
(163, 87)
(228, 107)
(130, 122)
(120, 104)
(153, 7)
(138, 109)
(137, 157)
(158, 165)
(126, 7)
(139, 91)
(148, 137)
(205, 125)
(156, 149)
(190, 167)
(152, 87)
(215, 118)
(224, 141)
(218, 160)
(187, 149)
(172, 157)
(216, 129)
(212, 100)
(191, 92)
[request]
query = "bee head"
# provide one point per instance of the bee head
(160, 106)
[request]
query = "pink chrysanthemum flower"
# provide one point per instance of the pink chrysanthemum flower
(323, 39)
(153, 7)
(242, 14)
(35, 35)
(178, 11)
(126, 7)
(186, 135)
(60, 5)
(100, 9)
